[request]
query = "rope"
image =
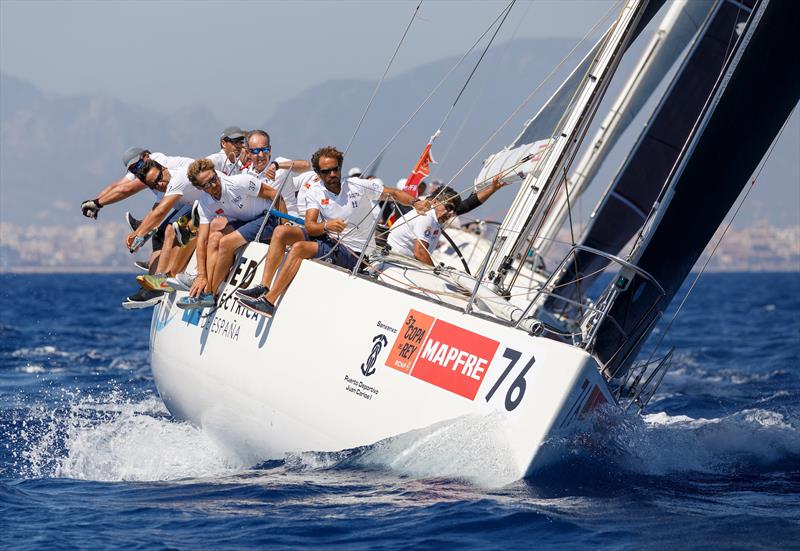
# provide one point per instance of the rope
(432, 93)
(380, 82)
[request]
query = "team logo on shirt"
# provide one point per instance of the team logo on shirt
(252, 185)
(219, 211)
(325, 201)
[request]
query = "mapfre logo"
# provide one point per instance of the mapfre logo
(442, 354)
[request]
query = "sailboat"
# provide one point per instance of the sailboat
(353, 358)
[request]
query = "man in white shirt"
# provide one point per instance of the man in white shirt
(274, 173)
(233, 211)
(229, 159)
(417, 235)
(129, 185)
(339, 215)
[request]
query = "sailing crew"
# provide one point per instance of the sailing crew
(233, 211)
(339, 215)
(273, 172)
(231, 157)
(417, 235)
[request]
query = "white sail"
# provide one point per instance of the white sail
(538, 186)
(679, 25)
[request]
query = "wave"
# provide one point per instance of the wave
(112, 439)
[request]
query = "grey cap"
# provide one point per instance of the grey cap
(131, 155)
(232, 133)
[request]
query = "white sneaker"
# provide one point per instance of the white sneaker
(182, 281)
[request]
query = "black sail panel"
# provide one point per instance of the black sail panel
(759, 96)
(643, 174)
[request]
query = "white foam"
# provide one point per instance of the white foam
(111, 440)
(660, 444)
(38, 351)
(471, 448)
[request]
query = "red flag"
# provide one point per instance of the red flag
(421, 169)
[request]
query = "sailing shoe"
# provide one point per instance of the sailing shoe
(259, 305)
(143, 298)
(252, 292)
(143, 265)
(182, 233)
(205, 300)
(182, 281)
(195, 218)
(156, 282)
(133, 223)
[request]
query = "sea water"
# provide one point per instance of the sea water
(89, 456)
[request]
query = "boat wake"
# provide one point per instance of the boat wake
(111, 438)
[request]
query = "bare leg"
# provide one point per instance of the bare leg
(153, 261)
(216, 228)
(226, 251)
(181, 257)
(299, 252)
(281, 238)
(166, 250)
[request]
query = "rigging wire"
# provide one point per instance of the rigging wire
(724, 233)
(435, 89)
(383, 77)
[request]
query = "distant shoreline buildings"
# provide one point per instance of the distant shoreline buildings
(99, 248)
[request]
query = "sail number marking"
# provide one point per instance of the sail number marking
(517, 388)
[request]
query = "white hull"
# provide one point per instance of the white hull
(304, 381)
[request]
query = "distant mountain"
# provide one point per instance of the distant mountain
(57, 150)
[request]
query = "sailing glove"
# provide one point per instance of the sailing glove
(90, 208)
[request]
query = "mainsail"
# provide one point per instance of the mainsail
(678, 27)
(561, 125)
(624, 207)
(753, 98)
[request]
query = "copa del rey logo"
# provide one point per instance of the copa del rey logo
(442, 354)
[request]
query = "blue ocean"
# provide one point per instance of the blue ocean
(90, 458)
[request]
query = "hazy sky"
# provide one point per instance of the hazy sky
(144, 52)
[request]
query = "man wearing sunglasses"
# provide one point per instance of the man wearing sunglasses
(273, 172)
(129, 185)
(339, 215)
(233, 211)
(230, 158)
(417, 235)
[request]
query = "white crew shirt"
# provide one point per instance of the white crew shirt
(222, 164)
(179, 184)
(353, 204)
(302, 183)
(170, 162)
(289, 191)
(238, 200)
(412, 226)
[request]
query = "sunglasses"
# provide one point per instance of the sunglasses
(330, 170)
(158, 178)
(134, 168)
(257, 150)
(237, 141)
(209, 183)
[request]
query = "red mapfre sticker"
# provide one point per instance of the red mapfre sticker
(454, 359)
(409, 341)
(596, 399)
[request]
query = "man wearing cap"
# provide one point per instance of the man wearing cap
(229, 159)
(129, 185)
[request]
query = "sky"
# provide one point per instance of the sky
(106, 47)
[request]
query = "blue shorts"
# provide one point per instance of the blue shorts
(336, 253)
(249, 228)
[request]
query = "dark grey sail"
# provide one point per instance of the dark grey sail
(751, 101)
(626, 204)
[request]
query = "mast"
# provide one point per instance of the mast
(750, 102)
(525, 215)
(679, 25)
